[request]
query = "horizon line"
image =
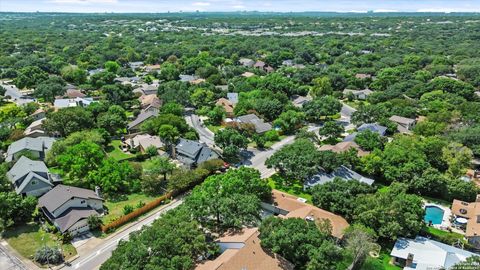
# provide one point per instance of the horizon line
(249, 11)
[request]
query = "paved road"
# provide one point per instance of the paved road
(206, 136)
(8, 261)
(101, 253)
(347, 111)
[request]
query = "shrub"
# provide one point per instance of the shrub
(49, 255)
(151, 151)
(271, 135)
(65, 237)
(140, 204)
(94, 222)
(127, 209)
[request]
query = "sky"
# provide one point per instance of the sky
(160, 6)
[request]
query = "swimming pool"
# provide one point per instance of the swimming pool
(433, 214)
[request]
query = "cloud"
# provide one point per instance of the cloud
(201, 4)
(238, 7)
(385, 10)
(82, 2)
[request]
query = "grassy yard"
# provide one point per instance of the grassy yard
(214, 129)
(27, 239)
(296, 189)
(380, 263)
(115, 209)
(114, 151)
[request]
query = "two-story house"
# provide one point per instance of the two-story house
(37, 147)
(30, 177)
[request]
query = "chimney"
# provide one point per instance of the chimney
(409, 261)
(98, 192)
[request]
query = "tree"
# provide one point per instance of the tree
(172, 108)
(300, 242)
(321, 108)
(430, 183)
(112, 66)
(94, 222)
(321, 87)
(289, 121)
(114, 177)
(390, 214)
(369, 140)
(339, 196)
(230, 200)
(458, 158)
(74, 74)
(67, 121)
(30, 76)
(472, 262)
(100, 79)
(81, 159)
(168, 72)
(48, 255)
(202, 97)
(159, 166)
(49, 90)
(15, 210)
(331, 130)
(169, 135)
(231, 141)
(216, 115)
(359, 242)
(117, 93)
(112, 120)
(298, 160)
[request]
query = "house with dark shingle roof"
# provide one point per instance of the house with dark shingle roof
(68, 208)
(30, 177)
(343, 172)
(404, 124)
(141, 118)
(191, 153)
(259, 124)
(374, 127)
(38, 147)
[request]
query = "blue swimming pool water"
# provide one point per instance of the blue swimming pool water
(433, 214)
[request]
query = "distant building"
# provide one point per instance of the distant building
(471, 212)
(135, 65)
(141, 118)
(343, 172)
(298, 101)
(37, 147)
(343, 147)
(226, 105)
(358, 94)
(35, 129)
(143, 141)
(191, 153)
(73, 102)
(404, 125)
(374, 127)
(233, 98)
(246, 62)
(30, 177)
(150, 102)
(68, 208)
(363, 76)
(423, 254)
(259, 125)
(95, 71)
(248, 74)
(38, 114)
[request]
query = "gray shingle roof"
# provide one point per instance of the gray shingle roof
(24, 166)
(373, 127)
(260, 125)
(343, 172)
(141, 118)
(233, 97)
(39, 144)
(402, 120)
(61, 193)
(72, 216)
(191, 152)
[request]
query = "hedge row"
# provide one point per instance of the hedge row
(136, 213)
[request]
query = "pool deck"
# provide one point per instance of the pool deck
(447, 213)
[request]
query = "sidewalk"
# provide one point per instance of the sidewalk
(10, 259)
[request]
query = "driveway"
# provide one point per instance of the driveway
(206, 136)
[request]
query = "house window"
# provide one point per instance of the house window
(82, 202)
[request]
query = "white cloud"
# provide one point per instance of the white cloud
(385, 10)
(83, 2)
(201, 4)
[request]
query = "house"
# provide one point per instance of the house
(35, 129)
(471, 212)
(192, 153)
(423, 254)
(135, 65)
(226, 105)
(187, 78)
(38, 114)
(374, 127)
(233, 98)
(343, 172)
(197, 81)
(37, 147)
(127, 80)
(246, 62)
(363, 76)
(288, 62)
(269, 69)
(350, 137)
(288, 206)
(61, 103)
(141, 118)
(259, 64)
(95, 71)
(242, 250)
(259, 125)
(358, 94)
(150, 68)
(143, 141)
(150, 102)
(30, 177)
(146, 89)
(298, 101)
(477, 93)
(248, 74)
(73, 93)
(404, 125)
(343, 147)
(68, 208)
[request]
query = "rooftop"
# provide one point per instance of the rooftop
(471, 211)
(61, 193)
(342, 172)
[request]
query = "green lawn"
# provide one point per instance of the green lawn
(26, 239)
(115, 209)
(380, 263)
(214, 128)
(296, 189)
(114, 151)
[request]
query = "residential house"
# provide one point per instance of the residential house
(288, 63)
(150, 68)
(143, 141)
(150, 102)
(363, 76)
(477, 93)
(68, 208)
(191, 153)
(350, 137)
(242, 250)
(343, 147)
(298, 101)
(146, 89)
(30, 177)
(72, 93)
(269, 69)
(222, 87)
(424, 254)
(37, 147)
(197, 81)
(95, 71)
(134, 126)
(246, 62)
(135, 65)
(374, 127)
(61, 103)
(226, 105)
(343, 172)
(358, 94)
(233, 98)
(248, 74)
(259, 64)
(259, 125)
(127, 80)
(471, 212)
(404, 125)
(38, 114)
(187, 78)
(35, 129)
(288, 206)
